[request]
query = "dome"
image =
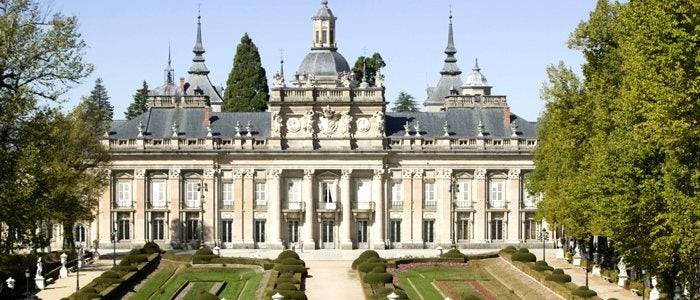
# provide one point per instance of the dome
(475, 78)
(324, 63)
(167, 89)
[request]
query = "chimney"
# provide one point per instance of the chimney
(206, 116)
(506, 117)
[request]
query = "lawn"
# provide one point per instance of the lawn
(436, 282)
(240, 283)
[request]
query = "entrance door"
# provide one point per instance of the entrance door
(292, 233)
(327, 234)
(361, 234)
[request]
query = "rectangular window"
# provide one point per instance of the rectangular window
(324, 36)
(259, 231)
(123, 226)
(124, 193)
(496, 197)
(396, 199)
(79, 234)
(293, 194)
(327, 234)
(158, 226)
(327, 195)
(363, 196)
(293, 231)
(463, 229)
(462, 195)
(227, 197)
(227, 231)
(192, 230)
(395, 231)
(158, 193)
(497, 228)
(429, 195)
(260, 200)
(531, 227)
(192, 194)
(428, 231)
(361, 227)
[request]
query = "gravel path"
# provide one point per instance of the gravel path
(522, 284)
(332, 280)
(64, 287)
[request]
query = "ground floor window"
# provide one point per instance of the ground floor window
(530, 227)
(361, 227)
(429, 231)
(259, 236)
(496, 227)
(293, 231)
(395, 231)
(227, 231)
(192, 227)
(327, 234)
(463, 228)
(157, 226)
(123, 226)
(79, 233)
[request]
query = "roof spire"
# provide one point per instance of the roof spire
(476, 65)
(169, 72)
(198, 66)
(450, 67)
(282, 62)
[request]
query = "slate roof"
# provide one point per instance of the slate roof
(324, 12)
(324, 63)
(157, 123)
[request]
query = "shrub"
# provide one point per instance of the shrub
(379, 269)
(204, 250)
(377, 278)
(111, 274)
(454, 253)
(558, 276)
(86, 296)
(509, 249)
(523, 256)
(138, 258)
(290, 261)
(286, 286)
(369, 265)
(523, 250)
(541, 266)
(135, 252)
(125, 269)
(150, 248)
(363, 257)
(288, 254)
(126, 261)
(203, 258)
(584, 292)
(291, 295)
(290, 269)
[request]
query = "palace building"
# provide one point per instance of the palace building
(325, 167)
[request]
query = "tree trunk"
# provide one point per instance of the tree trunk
(68, 241)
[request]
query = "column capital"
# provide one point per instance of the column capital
(208, 173)
(273, 173)
(480, 173)
(379, 173)
(418, 173)
(345, 173)
(443, 173)
(406, 173)
(139, 173)
(174, 173)
(309, 173)
(249, 173)
(238, 173)
(514, 174)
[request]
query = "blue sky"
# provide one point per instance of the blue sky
(514, 40)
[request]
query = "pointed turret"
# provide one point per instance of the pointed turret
(450, 78)
(199, 83)
(169, 71)
(476, 82)
(198, 66)
(450, 67)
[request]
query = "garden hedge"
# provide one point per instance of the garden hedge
(523, 256)
(286, 286)
(291, 295)
(558, 276)
(509, 249)
(377, 278)
(367, 254)
(584, 292)
(288, 254)
(541, 266)
(454, 254)
(290, 261)
(207, 296)
(290, 269)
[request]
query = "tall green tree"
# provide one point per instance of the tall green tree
(246, 88)
(405, 103)
(97, 109)
(372, 64)
(138, 107)
(41, 58)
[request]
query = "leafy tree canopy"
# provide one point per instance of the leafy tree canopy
(138, 107)
(246, 88)
(372, 64)
(405, 103)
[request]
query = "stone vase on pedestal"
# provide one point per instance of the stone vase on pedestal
(595, 271)
(63, 273)
(577, 256)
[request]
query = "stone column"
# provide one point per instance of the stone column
(345, 204)
(139, 194)
(310, 213)
(104, 220)
(173, 194)
(209, 218)
(238, 226)
(443, 222)
(407, 221)
(480, 206)
(418, 208)
(378, 197)
(248, 206)
(513, 200)
(274, 213)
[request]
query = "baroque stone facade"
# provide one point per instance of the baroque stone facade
(325, 167)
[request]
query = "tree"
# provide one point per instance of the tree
(405, 103)
(246, 88)
(41, 58)
(138, 107)
(97, 109)
(373, 64)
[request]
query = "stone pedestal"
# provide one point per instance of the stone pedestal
(39, 280)
(63, 273)
(577, 256)
(559, 253)
(622, 273)
(654, 294)
(596, 271)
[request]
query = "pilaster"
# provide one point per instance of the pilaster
(443, 226)
(407, 222)
(104, 218)
(275, 209)
(480, 206)
(238, 226)
(346, 222)
(248, 205)
(513, 200)
(310, 214)
(139, 234)
(378, 198)
(173, 198)
(417, 207)
(209, 220)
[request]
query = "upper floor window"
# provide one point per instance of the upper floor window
(124, 193)
(192, 194)
(327, 191)
(363, 196)
(462, 193)
(259, 196)
(429, 195)
(158, 193)
(227, 195)
(293, 193)
(396, 197)
(497, 189)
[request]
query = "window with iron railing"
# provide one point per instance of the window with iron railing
(158, 193)
(260, 198)
(327, 189)
(227, 195)
(124, 194)
(396, 196)
(497, 193)
(429, 201)
(462, 194)
(363, 195)
(293, 194)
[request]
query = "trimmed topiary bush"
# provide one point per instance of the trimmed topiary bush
(369, 265)
(135, 252)
(509, 249)
(363, 257)
(377, 278)
(584, 292)
(111, 274)
(286, 286)
(150, 248)
(523, 257)
(204, 250)
(379, 269)
(290, 269)
(454, 254)
(290, 261)
(124, 269)
(558, 276)
(291, 295)
(541, 266)
(288, 254)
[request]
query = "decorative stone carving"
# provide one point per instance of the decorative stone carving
(208, 173)
(309, 173)
(328, 122)
(418, 173)
(344, 123)
(309, 122)
(209, 133)
(278, 80)
(513, 130)
(406, 173)
(310, 79)
(443, 173)
(379, 120)
(238, 173)
(407, 129)
(174, 130)
(140, 129)
(446, 129)
(480, 173)
(293, 125)
(363, 125)
(514, 174)
(655, 294)
(622, 272)
(379, 79)
(480, 129)
(248, 129)
(345, 79)
(274, 173)
(379, 173)
(174, 174)
(237, 128)
(140, 173)
(417, 128)
(276, 123)
(345, 173)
